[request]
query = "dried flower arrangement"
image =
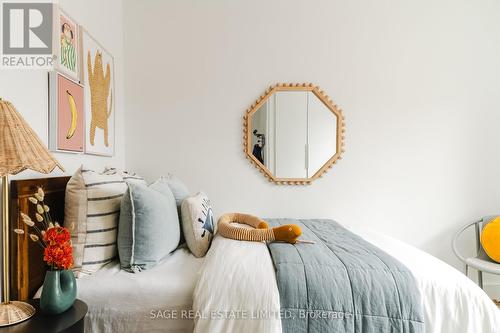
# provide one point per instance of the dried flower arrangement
(54, 239)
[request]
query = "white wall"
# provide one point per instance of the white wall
(28, 89)
(419, 82)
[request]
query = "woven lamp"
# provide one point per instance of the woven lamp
(20, 149)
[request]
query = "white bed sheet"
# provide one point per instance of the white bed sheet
(120, 301)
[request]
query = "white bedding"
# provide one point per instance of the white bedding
(239, 276)
(452, 302)
(120, 301)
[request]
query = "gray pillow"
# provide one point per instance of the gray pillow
(178, 188)
(148, 229)
(180, 192)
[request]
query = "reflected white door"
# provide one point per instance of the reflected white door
(290, 134)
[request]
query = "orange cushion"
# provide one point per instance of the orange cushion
(490, 239)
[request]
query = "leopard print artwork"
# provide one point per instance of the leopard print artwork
(99, 84)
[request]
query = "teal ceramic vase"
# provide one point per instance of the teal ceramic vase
(59, 291)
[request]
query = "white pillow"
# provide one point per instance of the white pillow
(91, 212)
(198, 223)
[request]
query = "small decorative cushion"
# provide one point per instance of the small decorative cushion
(490, 239)
(92, 208)
(198, 223)
(149, 226)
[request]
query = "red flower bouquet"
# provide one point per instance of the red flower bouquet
(58, 253)
(54, 239)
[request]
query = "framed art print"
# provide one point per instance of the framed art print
(66, 114)
(67, 45)
(98, 79)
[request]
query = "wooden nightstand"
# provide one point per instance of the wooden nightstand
(70, 321)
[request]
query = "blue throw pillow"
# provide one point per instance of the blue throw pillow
(178, 188)
(180, 192)
(149, 226)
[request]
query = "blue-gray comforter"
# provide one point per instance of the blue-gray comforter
(342, 283)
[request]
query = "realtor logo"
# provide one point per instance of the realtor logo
(27, 35)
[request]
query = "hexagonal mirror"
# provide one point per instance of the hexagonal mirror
(293, 133)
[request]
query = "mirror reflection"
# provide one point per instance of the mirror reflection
(293, 134)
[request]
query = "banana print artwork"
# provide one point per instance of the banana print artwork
(99, 84)
(74, 115)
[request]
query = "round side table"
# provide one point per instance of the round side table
(70, 321)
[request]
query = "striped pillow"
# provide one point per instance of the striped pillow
(92, 210)
(127, 176)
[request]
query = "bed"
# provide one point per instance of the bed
(450, 301)
(185, 294)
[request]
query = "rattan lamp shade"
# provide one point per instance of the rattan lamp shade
(20, 149)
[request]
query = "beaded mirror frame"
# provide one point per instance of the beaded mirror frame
(327, 101)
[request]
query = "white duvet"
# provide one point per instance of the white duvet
(236, 283)
(237, 290)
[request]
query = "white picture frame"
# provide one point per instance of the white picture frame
(66, 45)
(66, 114)
(99, 115)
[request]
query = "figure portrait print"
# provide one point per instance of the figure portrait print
(98, 74)
(68, 39)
